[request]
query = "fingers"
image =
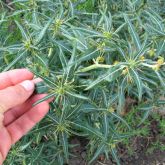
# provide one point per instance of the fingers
(14, 77)
(20, 127)
(1, 120)
(5, 143)
(15, 95)
(1, 159)
(23, 124)
(18, 111)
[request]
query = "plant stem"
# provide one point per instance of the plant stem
(95, 66)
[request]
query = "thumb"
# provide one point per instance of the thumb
(15, 95)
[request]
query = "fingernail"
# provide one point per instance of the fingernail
(28, 85)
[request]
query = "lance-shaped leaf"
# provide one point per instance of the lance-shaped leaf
(45, 98)
(110, 72)
(133, 33)
(121, 95)
(65, 145)
(138, 82)
(23, 32)
(143, 49)
(88, 55)
(98, 152)
(77, 95)
(89, 129)
(62, 57)
(18, 57)
(47, 80)
(147, 109)
(157, 31)
(43, 32)
(115, 156)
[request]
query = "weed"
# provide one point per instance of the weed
(92, 56)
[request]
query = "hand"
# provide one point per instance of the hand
(17, 116)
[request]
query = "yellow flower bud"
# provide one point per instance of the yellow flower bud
(151, 52)
(116, 62)
(142, 58)
(59, 22)
(97, 125)
(113, 145)
(100, 59)
(107, 35)
(27, 44)
(125, 71)
(101, 46)
(160, 61)
(111, 110)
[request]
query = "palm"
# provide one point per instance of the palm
(17, 121)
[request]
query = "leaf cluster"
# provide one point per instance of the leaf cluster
(92, 56)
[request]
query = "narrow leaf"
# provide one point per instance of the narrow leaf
(24, 35)
(77, 95)
(133, 32)
(114, 154)
(65, 146)
(121, 95)
(45, 98)
(62, 58)
(121, 119)
(15, 61)
(146, 114)
(47, 80)
(138, 83)
(87, 56)
(43, 31)
(110, 72)
(159, 32)
(97, 153)
(96, 133)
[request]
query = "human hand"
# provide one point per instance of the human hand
(17, 116)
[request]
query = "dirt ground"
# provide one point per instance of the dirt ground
(140, 155)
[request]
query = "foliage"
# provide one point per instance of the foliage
(92, 56)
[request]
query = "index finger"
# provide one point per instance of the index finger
(14, 77)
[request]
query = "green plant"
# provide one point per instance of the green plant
(92, 56)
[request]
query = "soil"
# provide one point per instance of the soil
(140, 155)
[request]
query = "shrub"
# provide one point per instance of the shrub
(93, 55)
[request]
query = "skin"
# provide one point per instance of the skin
(17, 115)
